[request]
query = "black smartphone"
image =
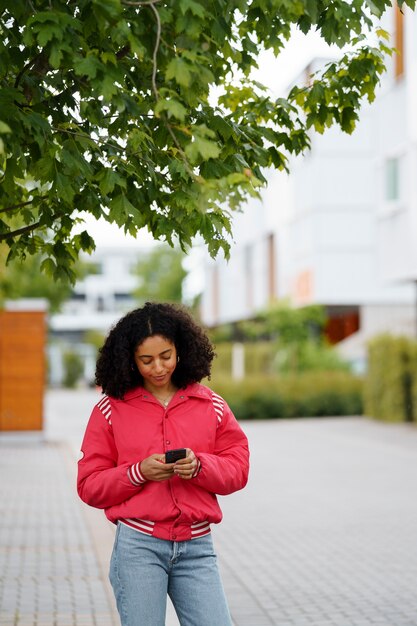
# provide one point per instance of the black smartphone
(174, 455)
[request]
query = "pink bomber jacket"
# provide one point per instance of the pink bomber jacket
(120, 433)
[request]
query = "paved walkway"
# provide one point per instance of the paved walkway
(325, 534)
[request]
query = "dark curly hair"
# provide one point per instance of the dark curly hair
(116, 371)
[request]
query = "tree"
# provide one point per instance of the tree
(104, 108)
(22, 279)
(162, 275)
(297, 334)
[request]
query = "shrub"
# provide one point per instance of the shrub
(269, 357)
(259, 358)
(304, 395)
(73, 368)
(390, 391)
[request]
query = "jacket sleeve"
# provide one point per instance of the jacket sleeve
(101, 481)
(226, 470)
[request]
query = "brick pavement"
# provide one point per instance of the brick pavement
(49, 574)
(325, 534)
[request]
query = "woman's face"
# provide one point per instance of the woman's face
(156, 360)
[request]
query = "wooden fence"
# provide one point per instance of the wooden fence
(22, 369)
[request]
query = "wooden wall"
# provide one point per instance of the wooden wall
(22, 369)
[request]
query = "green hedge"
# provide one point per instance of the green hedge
(259, 358)
(304, 395)
(73, 369)
(390, 390)
(268, 357)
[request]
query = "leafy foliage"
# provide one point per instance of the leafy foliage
(308, 394)
(283, 322)
(391, 380)
(161, 275)
(23, 279)
(281, 339)
(104, 109)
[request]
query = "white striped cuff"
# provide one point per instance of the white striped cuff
(135, 475)
(197, 471)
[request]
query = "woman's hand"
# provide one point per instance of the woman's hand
(185, 468)
(155, 468)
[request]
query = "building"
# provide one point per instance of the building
(397, 162)
(340, 230)
(97, 302)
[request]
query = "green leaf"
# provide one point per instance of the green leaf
(47, 33)
(108, 88)
(194, 7)
(138, 140)
(203, 147)
(222, 127)
(179, 70)
(48, 267)
(349, 118)
(312, 10)
(88, 66)
(4, 128)
(382, 34)
(56, 56)
(64, 188)
(109, 179)
(120, 209)
(86, 242)
(172, 107)
(111, 9)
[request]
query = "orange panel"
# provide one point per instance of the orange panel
(399, 42)
(22, 369)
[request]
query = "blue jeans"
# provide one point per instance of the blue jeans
(144, 569)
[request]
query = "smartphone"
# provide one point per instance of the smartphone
(174, 455)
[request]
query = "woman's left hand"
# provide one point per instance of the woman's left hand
(185, 468)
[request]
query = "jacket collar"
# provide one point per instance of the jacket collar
(194, 390)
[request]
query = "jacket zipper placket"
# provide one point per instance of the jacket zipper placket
(174, 500)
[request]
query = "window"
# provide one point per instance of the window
(392, 179)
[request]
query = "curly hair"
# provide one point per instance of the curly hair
(116, 371)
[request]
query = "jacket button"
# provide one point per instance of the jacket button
(174, 536)
(167, 442)
(182, 397)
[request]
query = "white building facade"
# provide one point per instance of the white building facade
(341, 229)
(397, 215)
(96, 304)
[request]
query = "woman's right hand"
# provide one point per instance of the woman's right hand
(154, 468)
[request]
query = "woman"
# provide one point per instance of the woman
(149, 369)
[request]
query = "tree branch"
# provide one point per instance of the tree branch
(139, 4)
(25, 68)
(179, 148)
(151, 4)
(155, 51)
(20, 205)
(20, 231)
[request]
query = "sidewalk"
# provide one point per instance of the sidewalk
(49, 573)
(325, 534)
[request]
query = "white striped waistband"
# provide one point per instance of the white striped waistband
(198, 529)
